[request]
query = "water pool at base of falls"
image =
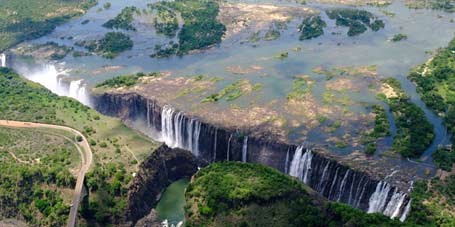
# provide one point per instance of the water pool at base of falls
(172, 202)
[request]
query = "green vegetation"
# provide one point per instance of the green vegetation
(381, 129)
(29, 19)
(414, 132)
(436, 84)
(241, 194)
(26, 101)
(399, 37)
(107, 5)
(201, 28)
(123, 20)
(231, 92)
(35, 190)
(165, 21)
(300, 89)
(125, 81)
(111, 45)
(356, 20)
(272, 34)
(282, 55)
(444, 5)
(433, 202)
(444, 158)
(312, 27)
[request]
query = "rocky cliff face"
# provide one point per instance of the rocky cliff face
(212, 143)
(161, 168)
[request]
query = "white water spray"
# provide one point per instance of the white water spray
(379, 198)
(177, 131)
(301, 164)
(2, 60)
(406, 211)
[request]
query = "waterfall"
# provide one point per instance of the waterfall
(178, 131)
(166, 126)
(2, 60)
(54, 78)
(78, 91)
(406, 211)
(379, 198)
(393, 207)
(195, 137)
(245, 149)
(228, 147)
(334, 182)
(148, 113)
(343, 184)
(321, 186)
(301, 164)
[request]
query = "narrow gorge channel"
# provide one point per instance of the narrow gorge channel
(210, 143)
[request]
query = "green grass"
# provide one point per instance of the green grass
(300, 89)
(29, 19)
(231, 92)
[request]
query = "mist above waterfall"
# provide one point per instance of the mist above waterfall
(56, 78)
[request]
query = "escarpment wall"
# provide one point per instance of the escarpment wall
(211, 143)
(161, 168)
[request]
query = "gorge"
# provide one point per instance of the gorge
(259, 94)
(211, 144)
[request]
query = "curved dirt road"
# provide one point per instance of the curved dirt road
(86, 156)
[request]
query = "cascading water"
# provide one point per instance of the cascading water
(379, 198)
(301, 164)
(406, 211)
(326, 176)
(52, 77)
(245, 149)
(2, 60)
(339, 184)
(178, 131)
(393, 207)
(286, 162)
(78, 91)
